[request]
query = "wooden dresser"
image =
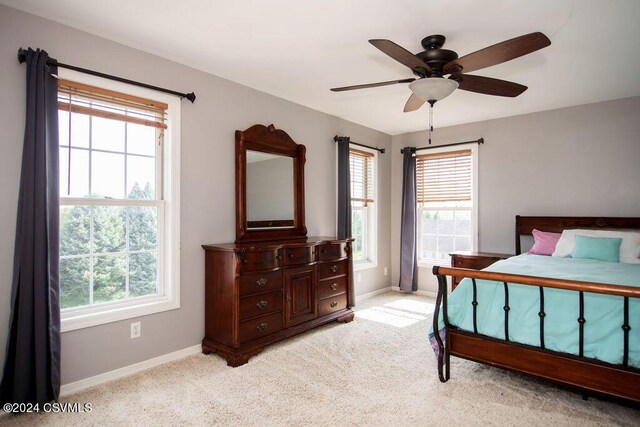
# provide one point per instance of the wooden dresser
(260, 293)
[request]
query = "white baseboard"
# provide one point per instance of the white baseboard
(360, 298)
(79, 385)
(425, 293)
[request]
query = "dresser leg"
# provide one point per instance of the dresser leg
(235, 360)
(208, 350)
(346, 318)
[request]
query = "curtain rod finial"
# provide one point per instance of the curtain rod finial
(481, 141)
(191, 97)
(22, 55)
(381, 150)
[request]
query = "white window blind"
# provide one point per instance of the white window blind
(94, 101)
(361, 164)
(444, 177)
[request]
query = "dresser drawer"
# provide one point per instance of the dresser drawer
(259, 260)
(301, 255)
(331, 287)
(332, 251)
(260, 282)
(256, 328)
(330, 269)
(474, 263)
(329, 305)
(261, 304)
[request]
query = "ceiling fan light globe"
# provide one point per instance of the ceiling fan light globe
(433, 89)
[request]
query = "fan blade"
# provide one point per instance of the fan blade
(400, 54)
(391, 82)
(499, 53)
(487, 85)
(413, 103)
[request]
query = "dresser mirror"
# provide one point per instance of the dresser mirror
(270, 190)
(269, 185)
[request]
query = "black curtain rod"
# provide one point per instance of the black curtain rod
(22, 57)
(338, 138)
(477, 141)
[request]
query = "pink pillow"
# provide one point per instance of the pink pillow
(544, 243)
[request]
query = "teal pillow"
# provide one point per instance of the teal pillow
(600, 248)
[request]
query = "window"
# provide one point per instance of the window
(118, 204)
(445, 189)
(361, 164)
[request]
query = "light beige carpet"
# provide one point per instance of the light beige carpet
(378, 370)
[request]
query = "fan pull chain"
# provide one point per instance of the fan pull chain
(430, 119)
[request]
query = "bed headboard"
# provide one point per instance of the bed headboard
(526, 224)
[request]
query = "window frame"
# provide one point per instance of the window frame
(168, 203)
(370, 241)
(429, 262)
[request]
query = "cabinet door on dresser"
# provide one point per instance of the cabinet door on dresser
(300, 295)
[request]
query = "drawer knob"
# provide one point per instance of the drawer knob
(261, 305)
(334, 303)
(245, 261)
(334, 268)
(291, 255)
(324, 251)
(262, 326)
(261, 282)
(334, 286)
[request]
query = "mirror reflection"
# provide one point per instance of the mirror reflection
(270, 191)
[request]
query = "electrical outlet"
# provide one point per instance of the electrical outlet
(359, 277)
(136, 330)
(386, 271)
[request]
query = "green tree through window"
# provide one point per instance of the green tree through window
(121, 250)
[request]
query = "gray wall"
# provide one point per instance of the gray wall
(582, 160)
(207, 197)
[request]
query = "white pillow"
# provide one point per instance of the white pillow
(629, 248)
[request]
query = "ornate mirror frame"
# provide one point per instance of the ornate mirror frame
(273, 141)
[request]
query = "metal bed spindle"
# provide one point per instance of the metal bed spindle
(581, 321)
(542, 315)
(626, 328)
(506, 311)
(474, 303)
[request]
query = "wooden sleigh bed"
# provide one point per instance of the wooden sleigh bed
(590, 376)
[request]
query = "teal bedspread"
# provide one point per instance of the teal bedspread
(603, 334)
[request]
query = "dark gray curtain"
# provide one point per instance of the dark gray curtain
(32, 366)
(344, 189)
(408, 255)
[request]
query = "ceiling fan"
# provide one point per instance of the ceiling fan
(431, 65)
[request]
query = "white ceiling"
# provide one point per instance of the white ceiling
(298, 49)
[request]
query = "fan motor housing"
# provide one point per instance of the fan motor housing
(436, 58)
(434, 55)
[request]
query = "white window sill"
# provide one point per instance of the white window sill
(94, 316)
(364, 265)
(428, 263)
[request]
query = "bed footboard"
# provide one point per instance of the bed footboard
(587, 374)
